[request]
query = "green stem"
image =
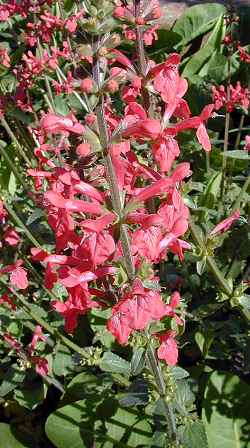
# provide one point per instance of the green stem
(156, 370)
(12, 166)
(52, 331)
(111, 174)
(245, 186)
(210, 260)
(19, 222)
(14, 140)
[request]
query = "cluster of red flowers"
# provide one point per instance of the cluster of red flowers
(79, 198)
(239, 96)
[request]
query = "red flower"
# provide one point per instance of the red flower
(168, 350)
(134, 311)
(224, 225)
(57, 124)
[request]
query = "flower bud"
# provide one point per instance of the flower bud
(86, 85)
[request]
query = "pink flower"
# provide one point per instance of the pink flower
(87, 85)
(11, 237)
(224, 225)
(56, 124)
(134, 311)
(247, 143)
(168, 350)
(37, 336)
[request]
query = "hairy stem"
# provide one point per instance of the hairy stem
(112, 179)
(155, 368)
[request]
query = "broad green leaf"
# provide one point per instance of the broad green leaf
(217, 66)
(63, 361)
(197, 20)
(114, 363)
(194, 436)
(179, 373)
(137, 394)
(12, 379)
(237, 154)
(71, 426)
(226, 411)
(61, 106)
(83, 385)
(129, 426)
(196, 62)
(184, 396)
(7, 439)
(32, 394)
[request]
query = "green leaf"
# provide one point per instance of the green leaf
(61, 106)
(197, 20)
(129, 427)
(226, 411)
(12, 186)
(32, 394)
(71, 426)
(137, 361)
(210, 194)
(245, 301)
(137, 394)
(8, 440)
(179, 373)
(201, 265)
(217, 66)
(12, 379)
(63, 361)
(184, 396)
(196, 62)
(237, 154)
(194, 436)
(36, 215)
(204, 341)
(113, 363)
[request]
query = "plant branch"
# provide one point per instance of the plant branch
(52, 331)
(155, 368)
(112, 179)
(14, 140)
(210, 260)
